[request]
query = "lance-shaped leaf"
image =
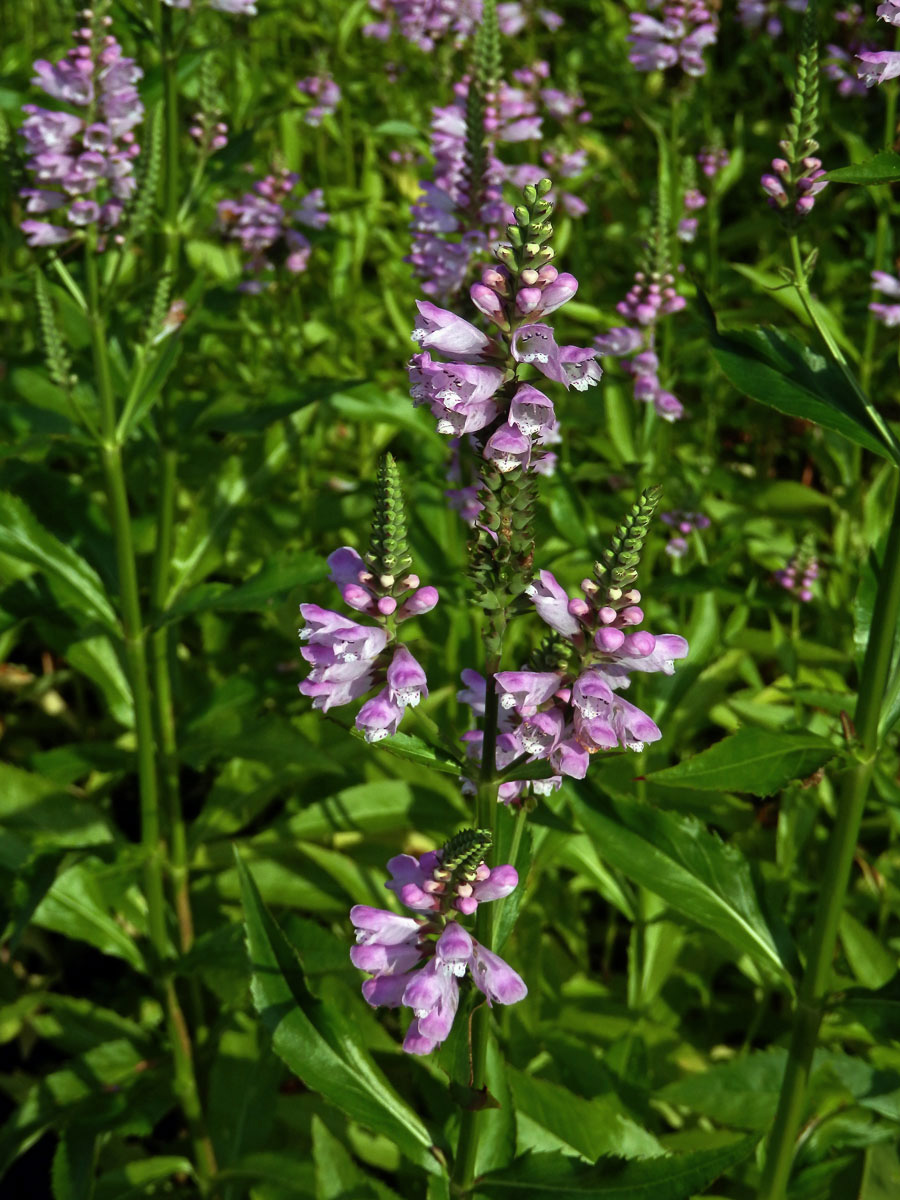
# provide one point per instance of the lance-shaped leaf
(559, 1177)
(75, 581)
(698, 875)
(883, 167)
(318, 1042)
(758, 761)
(775, 369)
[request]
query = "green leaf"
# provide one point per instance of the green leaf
(75, 906)
(698, 875)
(75, 580)
(407, 745)
(883, 167)
(337, 1175)
(774, 368)
(269, 584)
(137, 1178)
(758, 761)
(47, 813)
(674, 1177)
(870, 960)
(72, 1174)
(878, 1012)
(589, 1127)
(318, 1042)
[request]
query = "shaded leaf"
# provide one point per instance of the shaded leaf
(590, 1127)
(137, 1178)
(23, 537)
(75, 906)
(72, 1173)
(674, 1177)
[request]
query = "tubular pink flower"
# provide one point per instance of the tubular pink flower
(508, 448)
(552, 604)
(406, 679)
(444, 331)
(379, 717)
(532, 412)
(526, 691)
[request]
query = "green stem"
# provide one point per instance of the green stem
(813, 990)
(485, 818)
(135, 657)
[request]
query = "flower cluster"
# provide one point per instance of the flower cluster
(797, 174)
(263, 224)
(559, 159)
(424, 22)
(759, 14)
(349, 660)
(568, 714)
(651, 297)
(571, 708)
(694, 201)
(677, 38)
(795, 185)
(420, 962)
(712, 160)
(475, 387)
(888, 285)
(799, 576)
(682, 523)
(876, 66)
(209, 134)
(83, 167)
(326, 94)
(446, 233)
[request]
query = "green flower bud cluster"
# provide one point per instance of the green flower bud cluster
(617, 569)
(464, 853)
(528, 248)
(484, 75)
(502, 569)
(388, 554)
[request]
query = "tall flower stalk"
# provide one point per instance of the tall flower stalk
(813, 993)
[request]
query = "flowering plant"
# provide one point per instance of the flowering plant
(557, 856)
